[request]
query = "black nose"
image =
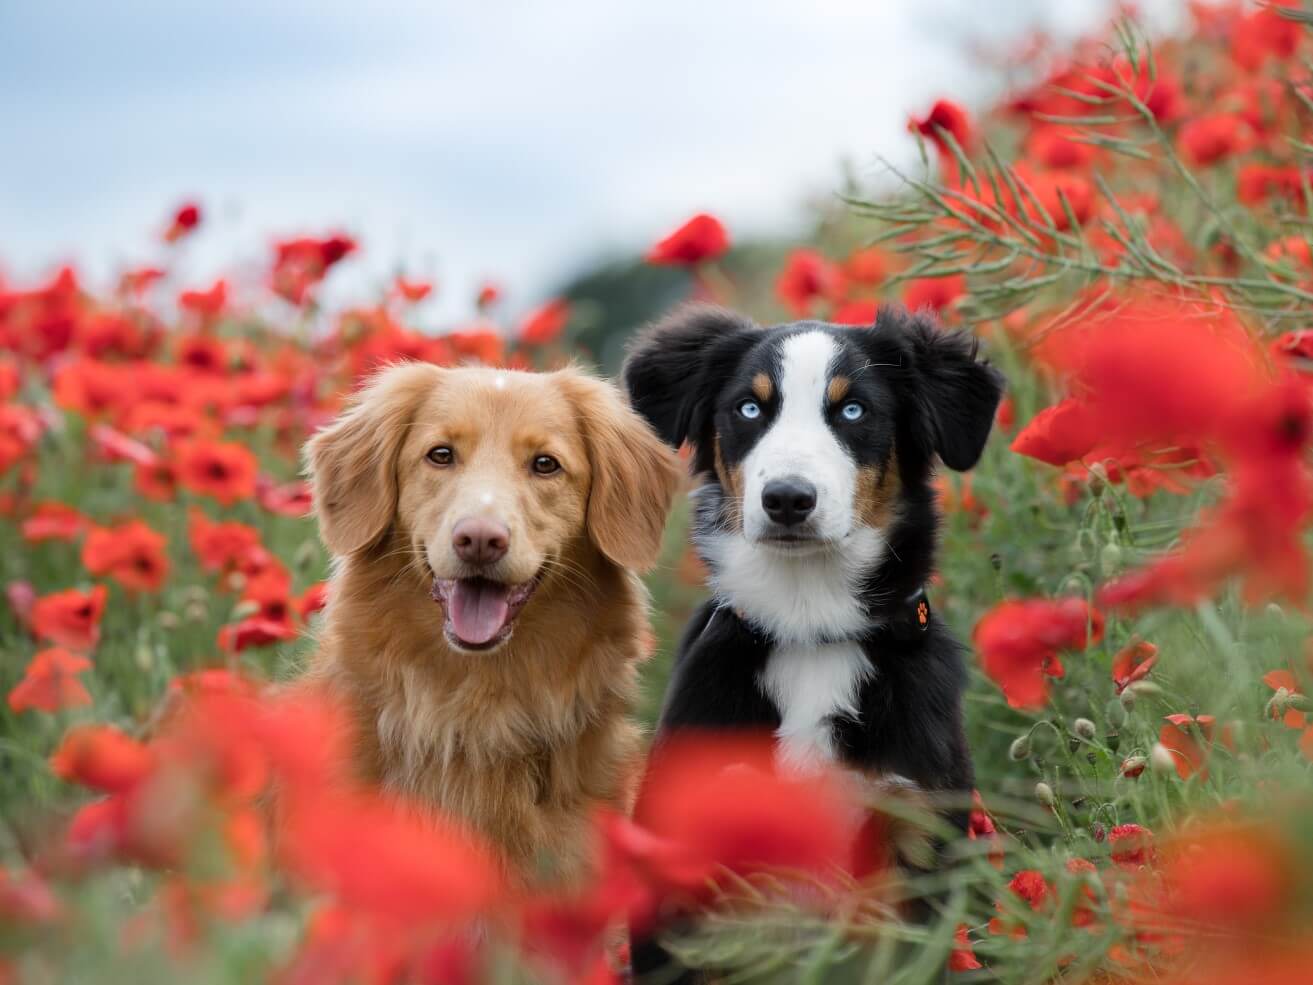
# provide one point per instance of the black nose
(788, 501)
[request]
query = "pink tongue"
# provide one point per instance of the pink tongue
(478, 609)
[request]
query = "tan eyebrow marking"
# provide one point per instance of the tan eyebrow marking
(761, 386)
(838, 388)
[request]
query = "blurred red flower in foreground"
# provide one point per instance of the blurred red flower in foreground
(102, 758)
(131, 553)
(51, 684)
(70, 618)
(935, 293)
(1019, 643)
(700, 239)
(54, 521)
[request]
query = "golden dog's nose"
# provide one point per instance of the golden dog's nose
(480, 541)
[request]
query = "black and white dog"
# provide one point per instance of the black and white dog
(816, 445)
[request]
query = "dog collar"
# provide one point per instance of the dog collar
(907, 621)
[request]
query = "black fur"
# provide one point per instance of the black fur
(929, 399)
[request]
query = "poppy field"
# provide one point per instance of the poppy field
(1127, 231)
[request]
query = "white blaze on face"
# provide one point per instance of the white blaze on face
(800, 443)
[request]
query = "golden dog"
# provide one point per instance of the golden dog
(485, 622)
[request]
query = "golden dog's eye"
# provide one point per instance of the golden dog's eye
(441, 455)
(546, 465)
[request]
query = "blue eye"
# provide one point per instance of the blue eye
(852, 411)
(750, 409)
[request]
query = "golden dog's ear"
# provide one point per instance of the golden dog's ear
(635, 474)
(352, 463)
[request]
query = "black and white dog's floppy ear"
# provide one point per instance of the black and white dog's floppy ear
(950, 394)
(668, 375)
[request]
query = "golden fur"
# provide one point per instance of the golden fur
(521, 742)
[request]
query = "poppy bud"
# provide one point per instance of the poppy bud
(1084, 728)
(1161, 759)
(1044, 794)
(1098, 479)
(196, 611)
(1127, 699)
(1115, 712)
(1299, 702)
(1146, 689)
(1279, 703)
(1111, 558)
(306, 555)
(1133, 766)
(236, 581)
(144, 656)
(168, 620)
(1020, 748)
(1275, 611)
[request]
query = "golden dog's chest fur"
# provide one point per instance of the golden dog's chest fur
(526, 740)
(521, 746)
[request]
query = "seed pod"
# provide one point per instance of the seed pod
(1084, 728)
(1044, 794)
(1161, 759)
(1111, 558)
(1020, 748)
(1098, 479)
(1115, 712)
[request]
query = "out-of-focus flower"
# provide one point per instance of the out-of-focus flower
(131, 553)
(1189, 751)
(1019, 643)
(54, 521)
(412, 291)
(70, 618)
(185, 220)
(1208, 139)
(1131, 846)
(945, 117)
(544, 325)
(224, 470)
(935, 293)
(699, 240)
(805, 277)
(1133, 663)
(102, 758)
(51, 683)
(208, 304)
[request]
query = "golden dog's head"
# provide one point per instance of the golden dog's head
(492, 483)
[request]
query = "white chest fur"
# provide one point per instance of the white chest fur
(809, 684)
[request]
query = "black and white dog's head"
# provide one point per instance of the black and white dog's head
(817, 443)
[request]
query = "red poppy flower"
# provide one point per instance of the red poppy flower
(185, 220)
(1224, 875)
(1133, 663)
(868, 266)
(1257, 183)
(1189, 740)
(1131, 846)
(208, 304)
(288, 499)
(806, 276)
(91, 388)
(312, 600)
(140, 280)
(412, 291)
(222, 469)
(157, 482)
(54, 521)
(1031, 888)
(935, 293)
(254, 631)
(1063, 433)
(860, 313)
(1019, 643)
(26, 899)
(300, 264)
(544, 325)
(488, 295)
(225, 547)
(20, 428)
(115, 446)
(71, 618)
(478, 344)
(51, 683)
(1208, 139)
(1059, 148)
(963, 957)
(131, 553)
(944, 116)
(102, 758)
(1285, 679)
(699, 240)
(1262, 34)
(722, 802)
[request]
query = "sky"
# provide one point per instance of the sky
(459, 141)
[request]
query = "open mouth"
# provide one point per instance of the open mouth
(480, 613)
